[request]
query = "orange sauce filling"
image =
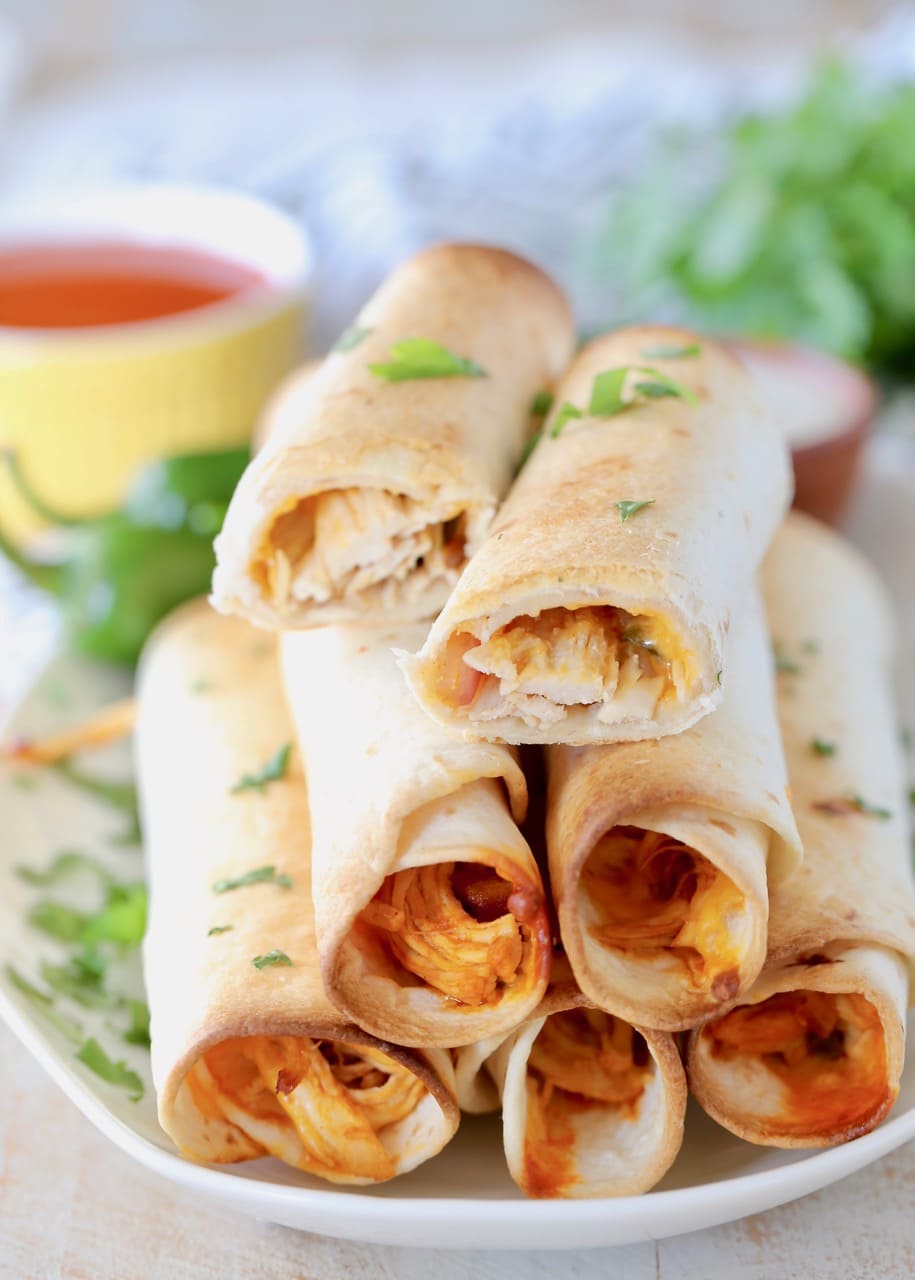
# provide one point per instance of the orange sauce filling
(828, 1051)
(582, 1060)
(336, 1097)
(654, 894)
(459, 927)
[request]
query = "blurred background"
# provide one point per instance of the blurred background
(745, 168)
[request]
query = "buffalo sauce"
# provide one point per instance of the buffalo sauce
(79, 286)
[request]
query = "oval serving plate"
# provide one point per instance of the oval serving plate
(464, 1195)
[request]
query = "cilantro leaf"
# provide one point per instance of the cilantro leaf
(219, 928)
(541, 404)
(628, 507)
(93, 1056)
(259, 875)
(272, 771)
(607, 393)
(44, 1005)
(122, 920)
(784, 665)
(63, 865)
(566, 413)
(138, 1029)
(414, 358)
(350, 338)
(79, 986)
(823, 747)
(271, 960)
(58, 920)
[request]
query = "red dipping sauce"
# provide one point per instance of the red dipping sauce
(84, 285)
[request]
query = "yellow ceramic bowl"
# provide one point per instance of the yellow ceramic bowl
(84, 407)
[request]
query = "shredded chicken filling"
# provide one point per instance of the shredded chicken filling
(317, 1104)
(458, 926)
(582, 1059)
(827, 1050)
(345, 542)
(540, 668)
(653, 894)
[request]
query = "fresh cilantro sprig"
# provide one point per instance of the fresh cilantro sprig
(272, 771)
(271, 960)
(258, 875)
(628, 507)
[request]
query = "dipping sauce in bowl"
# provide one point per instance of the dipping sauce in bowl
(826, 408)
(75, 286)
(138, 322)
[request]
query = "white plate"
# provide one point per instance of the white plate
(464, 1197)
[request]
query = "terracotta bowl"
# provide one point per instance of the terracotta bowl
(827, 408)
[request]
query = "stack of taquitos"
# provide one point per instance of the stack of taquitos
(814, 1054)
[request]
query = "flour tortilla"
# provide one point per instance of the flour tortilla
(370, 493)
(210, 711)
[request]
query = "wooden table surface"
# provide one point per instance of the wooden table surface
(74, 1207)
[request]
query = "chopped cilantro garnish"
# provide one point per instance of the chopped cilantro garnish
(422, 358)
(259, 875)
(541, 404)
(823, 747)
(783, 664)
(118, 1074)
(63, 865)
(628, 507)
(138, 1028)
(272, 771)
(58, 920)
(350, 338)
(219, 928)
(566, 413)
(44, 1004)
(271, 959)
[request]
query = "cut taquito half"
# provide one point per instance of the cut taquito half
(383, 470)
(661, 852)
(591, 1105)
(812, 1056)
(249, 1057)
(598, 608)
(431, 915)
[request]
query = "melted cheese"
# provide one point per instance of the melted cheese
(651, 894)
(827, 1052)
(540, 667)
(316, 1105)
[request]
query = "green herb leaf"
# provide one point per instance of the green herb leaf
(58, 920)
(260, 875)
(664, 352)
(219, 928)
(76, 984)
(541, 404)
(911, 795)
(62, 866)
(628, 507)
(122, 920)
(117, 795)
(658, 384)
(842, 806)
(822, 747)
(271, 959)
(718, 675)
(607, 393)
(350, 338)
(272, 771)
(566, 413)
(871, 810)
(422, 358)
(138, 1030)
(118, 1074)
(44, 1004)
(783, 664)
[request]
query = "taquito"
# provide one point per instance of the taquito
(598, 608)
(660, 852)
(431, 918)
(249, 1057)
(383, 471)
(813, 1054)
(591, 1106)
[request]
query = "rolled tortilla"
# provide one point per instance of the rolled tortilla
(813, 1054)
(582, 621)
(248, 1055)
(660, 851)
(372, 493)
(431, 918)
(591, 1106)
